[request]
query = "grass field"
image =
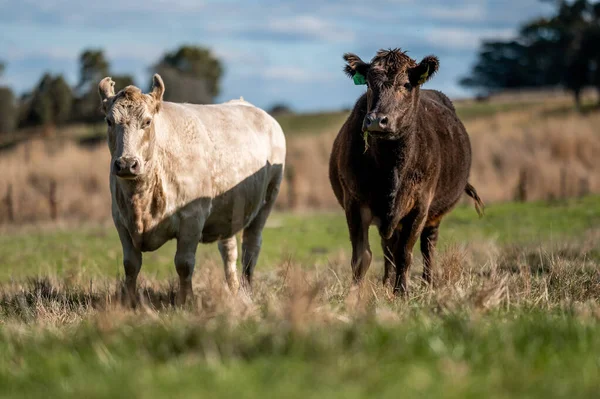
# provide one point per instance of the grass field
(311, 239)
(516, 313)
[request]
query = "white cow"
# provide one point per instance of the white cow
(196, 173)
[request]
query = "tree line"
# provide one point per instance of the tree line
(191, 73)
(560, 50)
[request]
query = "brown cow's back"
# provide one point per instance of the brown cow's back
(454, 151)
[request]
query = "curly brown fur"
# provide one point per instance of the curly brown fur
(414, 170)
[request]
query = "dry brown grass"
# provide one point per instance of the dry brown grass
(532, 154)
(81, 177)
(535, 331)
(550, 155)
(476, 279)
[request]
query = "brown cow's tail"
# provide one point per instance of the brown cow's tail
(471, 192)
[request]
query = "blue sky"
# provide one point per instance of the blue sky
(273, 51)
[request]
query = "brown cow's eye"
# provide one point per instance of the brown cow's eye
(108, 122)
(407, 86)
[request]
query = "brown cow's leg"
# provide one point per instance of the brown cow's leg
(358, 220)
(132, 263)
(412, 225)
(389, 249)
(429, 238)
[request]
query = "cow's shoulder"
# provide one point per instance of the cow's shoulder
(436, 98)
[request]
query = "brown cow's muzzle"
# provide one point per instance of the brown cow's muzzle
(127, 168)
(377, 124)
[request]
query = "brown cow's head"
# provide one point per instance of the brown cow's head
(130, 119)
(393, 82)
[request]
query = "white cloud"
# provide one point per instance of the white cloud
(287, 73)
(293, 74)
(241, 57)
(280, 26)
(110, 7)
(466, 13)
(50, 53)
(309, 26)
(465, 39)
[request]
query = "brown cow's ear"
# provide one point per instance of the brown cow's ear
(106, 89)
(356, 68)
(158, 87)
(424, 71)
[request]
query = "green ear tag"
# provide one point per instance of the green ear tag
(424, 76)
(359, 79)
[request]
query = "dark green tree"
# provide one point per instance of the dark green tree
(122, 81)
(40, 109)
(8, 110)
(191, 74)
(61, 98)
(51, 102)
(93, 66)
(561, 50)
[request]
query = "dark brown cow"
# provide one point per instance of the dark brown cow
(400, 161)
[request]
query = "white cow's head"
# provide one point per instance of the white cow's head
(130, 119)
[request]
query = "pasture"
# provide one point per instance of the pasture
(505, 305)
(515, 313)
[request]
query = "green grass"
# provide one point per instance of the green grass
(494, 330)
(533, 354)
(310, 239)
(489, 108)
(317, 123)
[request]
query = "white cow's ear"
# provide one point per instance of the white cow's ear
(106, 89)
(158, 87)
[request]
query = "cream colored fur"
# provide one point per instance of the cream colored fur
(208, 172)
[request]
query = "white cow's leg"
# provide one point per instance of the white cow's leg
(185, 257)
(229, 254)
(252, 237)
(132, 263)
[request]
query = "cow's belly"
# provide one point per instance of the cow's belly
(227, 222)
(151, 241)
(233, 211)
(158, 235)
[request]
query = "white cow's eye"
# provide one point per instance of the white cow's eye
(146, 123)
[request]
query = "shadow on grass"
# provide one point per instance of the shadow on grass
(45, 295)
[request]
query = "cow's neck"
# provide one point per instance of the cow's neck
(393, 153)
(145, 199)
(396, 162)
